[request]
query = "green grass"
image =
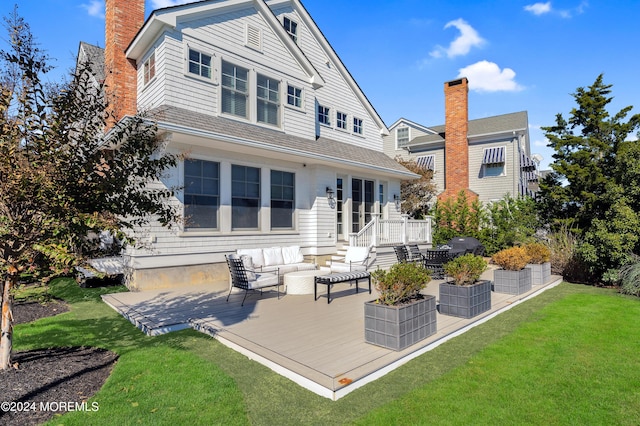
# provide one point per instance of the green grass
(569, 356)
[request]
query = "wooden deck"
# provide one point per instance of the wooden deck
(320, 346)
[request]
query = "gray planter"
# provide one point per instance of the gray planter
(397, 327)
(465, 301)
(540, 273)
(512, 282)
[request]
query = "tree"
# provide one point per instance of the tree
(417, 194)
(62, 178)
(595, 186)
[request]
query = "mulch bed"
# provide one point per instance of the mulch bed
(46, 382)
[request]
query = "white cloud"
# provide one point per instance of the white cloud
(159, 4)
(94, 8)
(467, 39)
(539, 8)
(544, 8)
(485, 76)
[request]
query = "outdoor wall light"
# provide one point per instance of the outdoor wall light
(329, 193)
(330, 197)
(398, 201)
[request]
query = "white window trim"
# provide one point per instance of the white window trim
(251, 93)
(295, 37)
(155, 68)
(286, 94)
(253, 96)
(346, 121)
(353, 130)
(408, 134)
(214, 68)
(329, 125)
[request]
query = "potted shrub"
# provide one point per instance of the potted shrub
(466, 296)
(400, 316)
(539, 262)
(514, 277)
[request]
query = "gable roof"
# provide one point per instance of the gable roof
(478, 128)
(243, 135)
(167, 17)
(94, 55)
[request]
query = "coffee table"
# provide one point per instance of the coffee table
(301, 282)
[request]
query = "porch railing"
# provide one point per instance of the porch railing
(386, 232)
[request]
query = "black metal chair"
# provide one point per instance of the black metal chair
(248, 280)
(401, 254)
(434, 261)
(415, 255)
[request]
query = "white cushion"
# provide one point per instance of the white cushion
(256, 256)
(248, 267)
(273, 256)
(292, 254)
(356, 254)
(264, 280)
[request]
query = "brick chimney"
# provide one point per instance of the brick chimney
(456, 145)
(123, 20)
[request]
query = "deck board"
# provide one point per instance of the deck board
(314, 343)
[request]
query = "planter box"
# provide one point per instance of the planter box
(397, 327)
(540, 273)
(512, 282)
(465, 301)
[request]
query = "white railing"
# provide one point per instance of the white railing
(381, 232)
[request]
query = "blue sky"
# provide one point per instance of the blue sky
(517, 55)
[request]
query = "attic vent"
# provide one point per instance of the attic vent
(254, 38)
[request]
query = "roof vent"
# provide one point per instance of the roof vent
(254, 38)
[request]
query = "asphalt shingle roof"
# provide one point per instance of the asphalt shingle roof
(270, 139)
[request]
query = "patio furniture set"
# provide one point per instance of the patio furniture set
(256, 269)
(434, 259)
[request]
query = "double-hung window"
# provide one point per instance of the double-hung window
(341, 120)
(149, 68)
(493, 162)
(199, 63)
(201, 194)
(268, 98)
(245, 197)
(294, 96)
(324, 115)
(402, 136)
(235, 90)
(282, 199)
(292, 28)
(357, 126)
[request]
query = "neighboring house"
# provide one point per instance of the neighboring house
(283, 147)
(489, 157)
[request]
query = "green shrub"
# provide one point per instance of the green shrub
(465, 270)
(509, 222)
(538, 253)
(630, 277)
(456, 217)
(401, 283)
(511, 259)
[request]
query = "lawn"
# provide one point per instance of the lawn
(569, 356)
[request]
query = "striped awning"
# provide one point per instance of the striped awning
(493, 155)
(526, 163)
(427, 162)
(531, 176)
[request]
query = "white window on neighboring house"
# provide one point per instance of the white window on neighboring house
(324, 115)
(341, 120)
(235, 90)
(201, 194)
(268, 100)
(493, 162)
(357, 126)
(294, 96)
(427, 162)
(402, 136)
(149, 68)
(199, 63)
(292, 28)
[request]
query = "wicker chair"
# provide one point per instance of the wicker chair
(246, 279)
